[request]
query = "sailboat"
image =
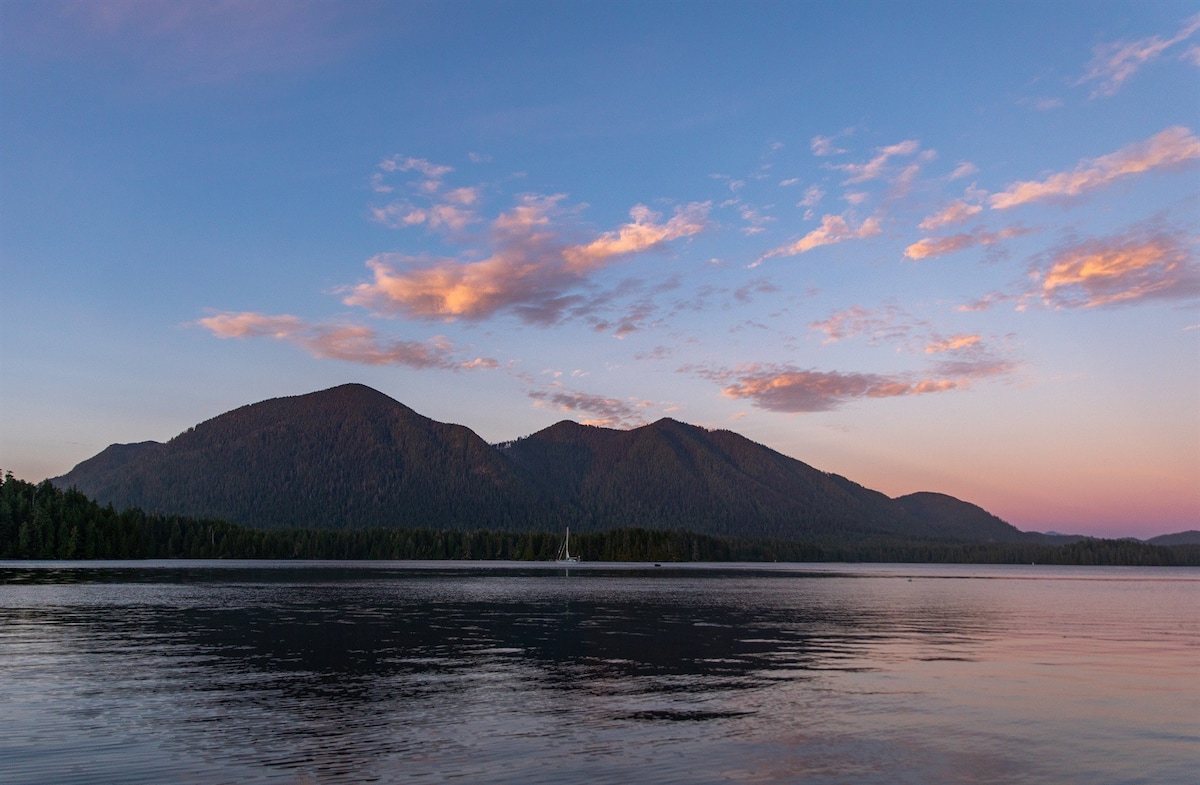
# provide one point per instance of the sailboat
(564, 552)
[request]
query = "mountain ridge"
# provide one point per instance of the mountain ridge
(352, 457)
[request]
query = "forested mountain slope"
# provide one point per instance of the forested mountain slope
(351, 457)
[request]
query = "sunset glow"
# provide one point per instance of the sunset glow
(926, 247)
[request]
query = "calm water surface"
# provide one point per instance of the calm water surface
(403, 672)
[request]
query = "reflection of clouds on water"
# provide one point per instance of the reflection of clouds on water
(342, 674)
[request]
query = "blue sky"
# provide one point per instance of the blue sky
(936, 246)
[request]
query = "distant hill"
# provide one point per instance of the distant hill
(351, 457)
(1189, 537)
(958, 520)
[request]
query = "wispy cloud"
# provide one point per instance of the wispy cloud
(953, 213)
(825, 145)
(986, 302)
(939, 246)
(1145, 263)
(399, 215)
(877, 166)
(812, 197)
(1115, 62)
(787, 388)
(604, 412)
(745, 293)
(348, 342)
(887, 323)
(964, 169)
(641, 234)
(403, 163)
(531, 270)
(441, 211)
(756, 220)
(954, 343)
(1167, 149)
(833, 229)
(784, 388)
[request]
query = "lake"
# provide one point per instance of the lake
(424, 672)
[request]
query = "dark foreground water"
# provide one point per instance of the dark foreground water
(204, 672)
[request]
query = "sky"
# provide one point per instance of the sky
(928, 246)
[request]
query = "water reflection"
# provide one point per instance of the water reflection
(348, 674)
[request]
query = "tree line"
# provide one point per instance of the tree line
(41, 521)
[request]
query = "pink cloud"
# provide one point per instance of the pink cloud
(940, 246)
(887, 323)
(531, 270)
(350, 343)
(1168, 149)
(463, 196)
(833, 229)
(1114, 62)
(401, 163)
(812, 197)
(642, 234)
(1119, 270)
(954, 343)
(606, 412)
(447, 212)
(785, 388)
(788, 389)
(824, 145)
(873, 169)
(985, 303)
(953, 213)
(964, 169)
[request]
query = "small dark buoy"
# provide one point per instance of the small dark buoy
(656, 564)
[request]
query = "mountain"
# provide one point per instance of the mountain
(345, 457)
(670, 474)
(1189, 537)
(351, 457)
(955, 519)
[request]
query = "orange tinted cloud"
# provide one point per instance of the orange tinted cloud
(833, 229)
(1113, 63)
(1167, 149)
(351, 343)
(940, 246)
(786, 389)
(642, 234)
(953, 344)
(531, 270)
(953, 213)
(1119, 270)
